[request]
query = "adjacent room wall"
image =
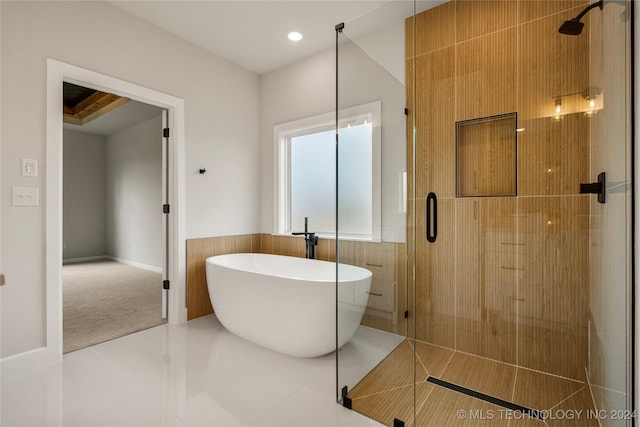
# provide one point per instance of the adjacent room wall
(112, 195)
(134, 194)
(84, 186)
(221, 134)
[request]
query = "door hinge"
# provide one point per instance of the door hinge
(406, 111)
(165, 284)
(165, 208)
(165, 132)
(406, 314)
(346, 401)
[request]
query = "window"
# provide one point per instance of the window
(305, 184)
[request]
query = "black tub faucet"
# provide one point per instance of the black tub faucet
(310, 239)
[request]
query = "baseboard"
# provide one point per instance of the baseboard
(112, 258)
(29, 361)
(134, 264)
(84, 259)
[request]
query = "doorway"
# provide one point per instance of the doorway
(113, 244)
(57, 73)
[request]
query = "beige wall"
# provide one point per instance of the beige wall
(220, 135)
(84, 192)
(134, 194)
(307, 88)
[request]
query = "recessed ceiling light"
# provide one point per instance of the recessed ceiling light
(294, 36)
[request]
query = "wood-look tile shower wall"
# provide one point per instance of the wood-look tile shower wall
(507, 277)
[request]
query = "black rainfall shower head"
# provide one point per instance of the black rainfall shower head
(574, 27)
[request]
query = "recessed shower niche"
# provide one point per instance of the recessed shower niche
(486, 156)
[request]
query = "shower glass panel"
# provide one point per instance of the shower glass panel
(510, 242)
(371, 210)
(522, 296)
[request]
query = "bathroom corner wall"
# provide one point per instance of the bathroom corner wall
(507, 278)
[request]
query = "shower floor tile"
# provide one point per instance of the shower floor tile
(540, 390)
(472, 372)
(391, 373)
(445, 407)
(387, 391)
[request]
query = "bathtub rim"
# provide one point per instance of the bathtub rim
(286, 273)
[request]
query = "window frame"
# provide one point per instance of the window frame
(282, 134)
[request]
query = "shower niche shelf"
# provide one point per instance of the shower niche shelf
(486, 159)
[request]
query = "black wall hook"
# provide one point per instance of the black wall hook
(202, 171)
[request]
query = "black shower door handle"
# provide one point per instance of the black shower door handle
(432, 217)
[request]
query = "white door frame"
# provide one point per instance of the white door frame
(57, 72)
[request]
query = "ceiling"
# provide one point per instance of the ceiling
(253, 33)
(249, 33)
(98, 113)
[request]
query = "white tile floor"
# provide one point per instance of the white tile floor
(193, 375)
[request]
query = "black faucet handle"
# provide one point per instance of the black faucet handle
(313, 238)
(299, 233)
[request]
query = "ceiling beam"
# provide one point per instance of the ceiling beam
(94, 106)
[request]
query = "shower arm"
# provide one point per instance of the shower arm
(599, 4)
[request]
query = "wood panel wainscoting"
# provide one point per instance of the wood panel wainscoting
(198, 250)
(387, 262)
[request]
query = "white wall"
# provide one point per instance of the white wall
(307, 88)
(84, 177)
(221, 109)
(134, 194)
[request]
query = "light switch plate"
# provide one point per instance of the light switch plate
(30, 167)
(25, 196)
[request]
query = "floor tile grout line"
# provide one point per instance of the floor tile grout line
(593, 400)
(377, 365)
(417, 356)
(568, 397)
(609, 390)
(513, 389)
(382, 391)
(424, 402)
(446, 365)
(513, 365)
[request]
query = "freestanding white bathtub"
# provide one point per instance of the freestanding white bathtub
(287, 304)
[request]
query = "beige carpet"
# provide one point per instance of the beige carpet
(104, 300)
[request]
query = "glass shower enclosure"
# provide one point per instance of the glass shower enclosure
(485, 179)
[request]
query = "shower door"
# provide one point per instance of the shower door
(522, 297)
(371, 212)
(512, 287)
